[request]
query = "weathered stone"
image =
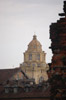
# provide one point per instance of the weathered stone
(58, 66)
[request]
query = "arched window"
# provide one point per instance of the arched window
(38, 56)
(30, 56)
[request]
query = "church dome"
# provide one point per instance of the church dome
(34, 41)
(34, 44)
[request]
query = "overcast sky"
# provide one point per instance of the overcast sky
(19, 19)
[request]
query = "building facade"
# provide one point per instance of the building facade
(34, 65)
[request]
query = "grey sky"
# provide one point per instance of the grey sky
(19, 19)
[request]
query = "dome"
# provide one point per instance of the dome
(34, 44)
(34, 41)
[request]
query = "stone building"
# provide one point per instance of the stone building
(34, 65)
(28, 81)
(15, 84)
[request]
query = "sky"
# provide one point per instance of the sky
(19, 21)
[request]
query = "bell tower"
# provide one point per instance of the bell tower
(34, 64)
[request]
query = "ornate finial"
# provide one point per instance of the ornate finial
(64, 8)
(34, 37)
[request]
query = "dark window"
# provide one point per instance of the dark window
(38, 56)
(38, 65)
(34, 46)
(30, 56)
(33, 65)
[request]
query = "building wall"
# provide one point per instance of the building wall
(34, 64)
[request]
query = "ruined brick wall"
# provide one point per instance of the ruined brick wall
(58, 66)
(58, 39)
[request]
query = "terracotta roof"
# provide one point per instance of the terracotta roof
(36, 93)
(5, 74)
